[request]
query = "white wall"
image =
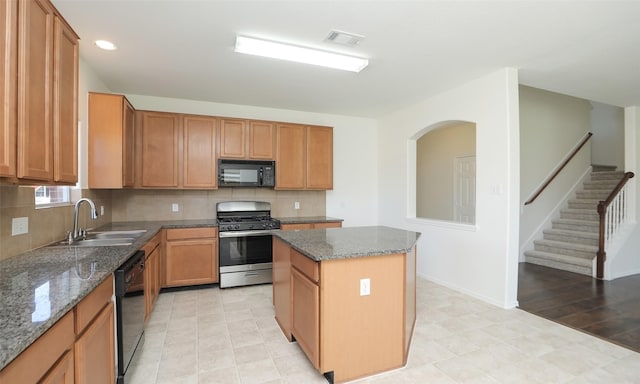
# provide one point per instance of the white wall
(480, 260)
(607, 143)
(354, 196)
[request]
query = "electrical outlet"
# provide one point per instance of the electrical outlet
(102, 210)
(365, 287)
(19, 226)
(296, 205)
(175, 207)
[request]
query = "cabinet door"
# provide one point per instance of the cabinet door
(160, 143)
(65, 103)
(199, 159)
(95, 351)
(306, 315)
(35, 53)
(282, 285)
(319, 158)
(191, 262)
(232, 139)
(8, 80)
(290, 156)
(62, 372)
(261, 140)
(128, 144)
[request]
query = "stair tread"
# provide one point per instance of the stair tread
(575, 260)
(565, 244)
(575, 221)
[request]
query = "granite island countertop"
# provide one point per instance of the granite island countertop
(347, 242)
(39, 287)
(308, 219)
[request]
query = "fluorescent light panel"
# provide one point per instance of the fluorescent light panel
(281, 51)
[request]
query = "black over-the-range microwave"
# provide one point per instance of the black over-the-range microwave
(246, 173)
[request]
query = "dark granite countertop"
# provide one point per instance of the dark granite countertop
(39, 287)
(340, 243)
(308, 219)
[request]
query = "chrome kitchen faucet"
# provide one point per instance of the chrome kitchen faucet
(94, 215)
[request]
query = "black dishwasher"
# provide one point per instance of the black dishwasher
(130, 310)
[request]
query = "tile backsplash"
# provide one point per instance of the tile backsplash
(47, 225)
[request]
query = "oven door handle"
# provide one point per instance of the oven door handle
(265, 232)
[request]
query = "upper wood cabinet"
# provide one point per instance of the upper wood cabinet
(199, 160)
(47, 95)
(246, 139)
(304, 157)
(111, 141)
(8, 82)
(160, 143)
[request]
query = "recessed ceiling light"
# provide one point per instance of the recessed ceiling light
(283, 51)
(106, 45)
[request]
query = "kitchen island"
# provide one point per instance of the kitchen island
(347, 296)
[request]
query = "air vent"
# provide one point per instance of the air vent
(344, 38)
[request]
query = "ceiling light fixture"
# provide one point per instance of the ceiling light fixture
(106, 45)
(282, 51)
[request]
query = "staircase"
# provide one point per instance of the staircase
(572, 242)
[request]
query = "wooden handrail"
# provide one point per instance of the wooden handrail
(602, 212)
(564, 164)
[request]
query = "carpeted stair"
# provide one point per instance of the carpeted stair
(572, 242)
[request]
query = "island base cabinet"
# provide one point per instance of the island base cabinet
(306, 315)
(282, 285)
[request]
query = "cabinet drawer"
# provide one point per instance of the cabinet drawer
(290, 227)
(31, 365)
(151, 245)
(91, 305)
(191, 233)
(308, 267)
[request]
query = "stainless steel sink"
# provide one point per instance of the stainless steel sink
(116, 234)
(104, 239)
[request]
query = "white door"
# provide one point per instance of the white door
(464, 190)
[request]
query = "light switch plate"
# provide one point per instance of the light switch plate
(296, 205)
(365, 287)
(175, 207)
(19, 226)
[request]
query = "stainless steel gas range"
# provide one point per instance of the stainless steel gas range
(245, 231)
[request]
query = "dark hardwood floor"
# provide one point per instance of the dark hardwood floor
(607, 309)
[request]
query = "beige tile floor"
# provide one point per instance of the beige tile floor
(229, 336)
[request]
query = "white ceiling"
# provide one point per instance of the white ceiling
(416, 49)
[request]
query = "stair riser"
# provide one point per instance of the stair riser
(580, 216)
(593, 194)
(598, 176)
(564, 251)
(577, 204)
(575, 227)
(570, 239)
(557, 265)
(600, 185)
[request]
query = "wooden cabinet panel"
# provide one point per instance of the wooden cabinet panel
(305, 325)
(305, 265)
(333, 224)
(282, 285)
(63, 372)
(289, 227)
(95, 350)
(232, 138)
(290, 156)
(152, 251)
(191, 256)
(65, 103)
(91, 305)
(261, 140)
(35, 53)
(199, 160)
(8, 84)
(319, 172)
(34, 362)
(111, 141)
(159, 149)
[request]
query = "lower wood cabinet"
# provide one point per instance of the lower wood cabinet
(305, 314)
(191, 256)
(95, 343)
(152, 252)
(329, 224)
(79, 348)
(281, 269)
